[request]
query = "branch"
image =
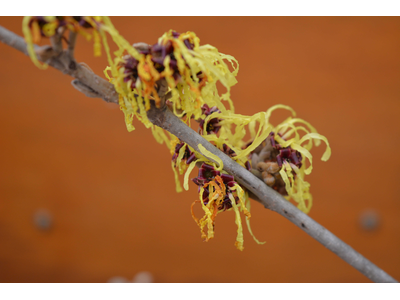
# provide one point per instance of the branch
(64, 62)
(88, 82)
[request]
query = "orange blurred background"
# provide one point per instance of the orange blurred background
(83, 200)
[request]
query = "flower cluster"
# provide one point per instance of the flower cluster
(178, 65)
(45, 26)
(35, 28)
(218, 193)
(208, 173)
(158, 62)
(183, 74)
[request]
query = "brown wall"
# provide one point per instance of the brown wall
(110, 194)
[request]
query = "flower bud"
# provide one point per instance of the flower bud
(269, 179)
(272, 167)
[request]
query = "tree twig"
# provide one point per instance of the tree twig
(165, 119)
(56, 41)
(71, 44)
(65, 64)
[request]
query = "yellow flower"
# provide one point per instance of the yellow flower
(219, 192)
(36, 27)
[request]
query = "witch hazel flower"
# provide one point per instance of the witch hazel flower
(212, 126)
(37, 27)
(182, 152)
(218, 193)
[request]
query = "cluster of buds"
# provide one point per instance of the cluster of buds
(207, 174)
(271, 176)
(269, 160)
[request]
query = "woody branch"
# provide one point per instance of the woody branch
(94, 86)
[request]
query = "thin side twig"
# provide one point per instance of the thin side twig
(71, 44)
(165, 119)
(56, 41)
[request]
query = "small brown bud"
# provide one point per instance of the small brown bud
(262, 166)
(269, 179)
(272, 167)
